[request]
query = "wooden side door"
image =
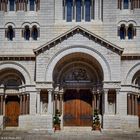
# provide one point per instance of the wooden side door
(12, 111)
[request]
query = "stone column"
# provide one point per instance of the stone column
(117, 101)
(24, 105)
(105, 101)
(96, 10)
(21, 104)
(1, 105)
(133, 104)
(93, 107)
(33, 102)
(61, 92)
(50, 101)
(38, 101)
(27, 104)
(129, 104)
(95, 101)
(136, 105)
(55, 103)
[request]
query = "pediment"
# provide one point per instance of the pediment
(79, 30)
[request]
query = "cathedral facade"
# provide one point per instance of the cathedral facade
(73, 56)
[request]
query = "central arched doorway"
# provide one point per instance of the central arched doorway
(80, 76)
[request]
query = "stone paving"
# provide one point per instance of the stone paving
(62, 135)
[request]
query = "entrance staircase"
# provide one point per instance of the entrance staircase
(78, 131)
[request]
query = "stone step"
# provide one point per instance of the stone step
(76, 129)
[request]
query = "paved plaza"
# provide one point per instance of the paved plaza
(69, 135)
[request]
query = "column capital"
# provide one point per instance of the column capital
(50, 90)
(38, 91)
(61, 91)
(117, 91)
(106, 90)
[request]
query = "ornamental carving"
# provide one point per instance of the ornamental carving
(77, 74)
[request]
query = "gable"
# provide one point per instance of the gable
(78, 30)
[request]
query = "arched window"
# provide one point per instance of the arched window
(122, 31)
(32, 5)
(125, 4)
(27, 33)
(87, 10)
(3, 5)
(35, 33)
(69, 4)
(78, 10)
(11, 5)
(130, 32)
(10, 33)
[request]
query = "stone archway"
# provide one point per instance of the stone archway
(80, 76)
(12, 102)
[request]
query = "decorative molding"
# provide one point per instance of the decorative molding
(112, 85)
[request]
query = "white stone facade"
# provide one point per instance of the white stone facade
(117, 62)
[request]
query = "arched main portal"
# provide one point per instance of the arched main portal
(80, 76)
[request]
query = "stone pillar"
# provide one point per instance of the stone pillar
(133, 104)
(33, 102)
(55, 103)
(50, 101)
(2, 104)
(96, 10)
(95, 101)
(61, 102)
(93, 106)
(24, 105)
(105, 101)
(61, 92)
(21, 104)
(38, 101)
(136, 105)
(129, 104)
(27, 104)
(117, 101)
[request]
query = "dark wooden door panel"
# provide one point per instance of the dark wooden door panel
(12, 111)
(77, 108)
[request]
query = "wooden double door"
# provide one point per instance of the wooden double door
(12, 110)
(77, 108)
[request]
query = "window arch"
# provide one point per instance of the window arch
(35, 32)
(26, 33)
(32, 5)
(69, 4)
(10, 33)
(3, 5)
(131, 31)
(87, 10)
(125, 4)
(122, 31)
(78, 10)
(11, 5)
